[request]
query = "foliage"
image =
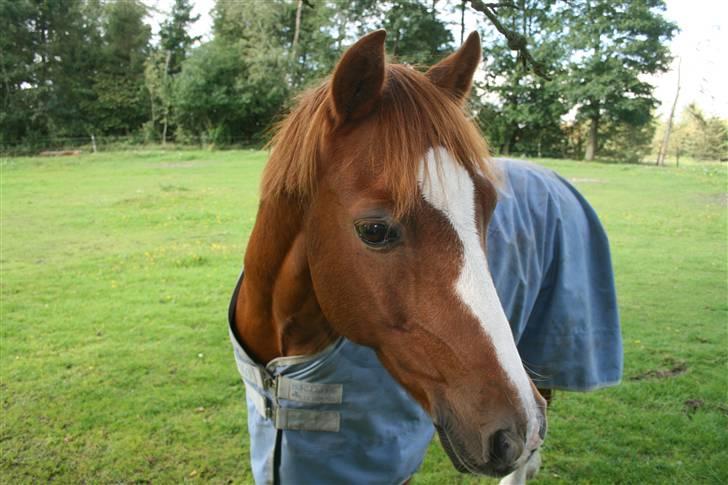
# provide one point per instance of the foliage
(174, 37)
(414, 33)
(702, 137)
(19, 114)
(159, 86)
(224, 96)
(625, 142)
(696, 135)
(319, 44)
(714, 141)
(596, 51)
(47, 51)
(163, 64)
(121, 106)
(611, 44)
(524, 112)
(115, 364)
(72, 68)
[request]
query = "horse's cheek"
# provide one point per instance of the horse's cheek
(327, 250)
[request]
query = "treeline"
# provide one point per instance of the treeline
(695, 135)
(76, 68)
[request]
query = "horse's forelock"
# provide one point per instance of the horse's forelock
(414, 115)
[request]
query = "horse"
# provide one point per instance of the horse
(367, 317)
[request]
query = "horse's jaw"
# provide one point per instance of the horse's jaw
(277, 313)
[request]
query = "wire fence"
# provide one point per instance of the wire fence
(68, 145)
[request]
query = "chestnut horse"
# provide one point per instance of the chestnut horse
(371, 228)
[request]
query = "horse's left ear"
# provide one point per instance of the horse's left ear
(454, 74)
(359, 77)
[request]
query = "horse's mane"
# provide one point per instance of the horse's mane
(413, 116)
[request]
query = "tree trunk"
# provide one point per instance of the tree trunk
(164, 129)
(166, 101)
(152, 106)
(510, 141)
(297, 31)
(6, 82)
(592, 140)
(462, 21)
(506, 148)
(662, 154)
(591, 143)
(342, 32)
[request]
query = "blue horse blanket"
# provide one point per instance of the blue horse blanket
(339, 417)
(550, 261)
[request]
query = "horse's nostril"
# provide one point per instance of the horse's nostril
(503, 449)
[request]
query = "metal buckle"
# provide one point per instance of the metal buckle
(270, 384)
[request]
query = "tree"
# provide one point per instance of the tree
(662, 154)
(525, 115)
(159, 85)
(695, 135)
(297, 30)
(222, 99)
(314, 52)
(702, 137)
(18, 45)
(122, 103)
(164, 63)
(516, 42)
(613, 43)
(414, 33)
(715, 140)
(626, 142)
(48, 51)
(174, 35)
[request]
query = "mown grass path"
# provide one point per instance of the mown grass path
(115, 364)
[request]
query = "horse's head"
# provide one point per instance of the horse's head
(397, 198)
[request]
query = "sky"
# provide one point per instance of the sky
(700, 48)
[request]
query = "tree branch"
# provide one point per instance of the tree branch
(516, 41)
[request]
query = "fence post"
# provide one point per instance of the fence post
(93, 142)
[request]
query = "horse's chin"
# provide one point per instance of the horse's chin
(463, 462)
(457, 462)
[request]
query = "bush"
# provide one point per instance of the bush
(228, 96)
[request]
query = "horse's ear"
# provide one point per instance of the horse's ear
(454, 74)
(358, 79)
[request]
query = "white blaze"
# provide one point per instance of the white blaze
(447, 186)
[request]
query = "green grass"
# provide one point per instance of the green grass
(115, 364)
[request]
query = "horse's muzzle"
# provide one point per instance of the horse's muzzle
(496, 454)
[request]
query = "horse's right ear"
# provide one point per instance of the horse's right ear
(358, 79)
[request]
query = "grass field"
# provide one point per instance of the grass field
(115, 365)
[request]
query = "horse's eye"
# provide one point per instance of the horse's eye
(376, 233)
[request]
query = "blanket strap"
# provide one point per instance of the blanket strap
(283, 388)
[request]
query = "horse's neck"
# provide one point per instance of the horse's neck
(277, 313)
